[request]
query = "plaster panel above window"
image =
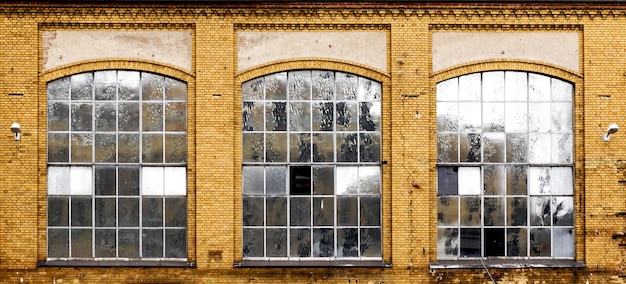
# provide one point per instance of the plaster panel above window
(456, 48)
(367, 48)
(67, 47)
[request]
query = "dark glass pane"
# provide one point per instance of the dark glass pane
(152, 151)
(128, 212)
(494, 242)
(347, 242)
(447, 211)
(516, 180)
(540, 211)
(447, 180)
(276, 211)
(494, 178)
(347, 116)
(58, 147)
(175, 212)
(105, 212)
(369, 119)
(105, 148)
(59, 89)
(175, 148)
(82, 145)
(470, 147)
(175, 116)
(300, 211)
(58, 116)
(300, 180)
(516, 211)
(323, 114)
(300, 147)
(128, 116)
(152, 243)
(81, 243)
(300, 243)
(324, 147)
(253, 242)
(516, 242)
(371, 242)
(152, 212)
(106, 244)
(253, 211)
(58, 243)
(152, 116)
(323, 180)
(128, 242)
(470, 242)
(105, 180)
(370, 211)
(276, 242)
(58, 211)
(105, 117)
(128, 147)
(175, 90)
(323, 242)
(176, 243)
(128, 181)
(494, 211)
(347, 211)
(82, 86)
(540, 244)
(276, 116)
(323, 211)
(81, 114)
(152, 86)
(563, 211)
(369, 147)
(347, 147)
(81, 211)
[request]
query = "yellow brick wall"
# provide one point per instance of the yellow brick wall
(409, 144)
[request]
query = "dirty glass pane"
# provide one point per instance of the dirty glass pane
(81, 181)
(58, 147)
(81, 211)
(253, 180)
(152, 211)
(346, 86)
(563, 242)
(494, 178)
(516, 180)
(59, 89)
(494, 242)
(81, 243)
(368, 90)
(300, 211)
(538, 87)
(276, 86)
(252, 116)
(252, 90)
(175, 243)
(152, 116)
(324, 211)
(81, 114)
(58, 243)
(300, 147)
(447, 116)
(58, 180)
(371, 242)
(128, 84)
(128, 150)
(323, 116)
(516, 117)
(347, 117)
(493, 86)
(275, 180)
(128, 117)
(539, 181)
(323, 180)
(369, 119)
(493, 117)
(128, 212)
(540, 243)
(562, 181)
(299, 85)
(276, 147)
(470, 116)
(105, 116)
(564, 145)
(540, 209)
(469, 181)
(105, 85)
(152, 87)
(561, 90)
(300, 243)
(349, 181)
(82, 148)
(106, 244)
(563, 214)
(448, 90)
(253, 211)
(516, 242)
(447, 147)
(561, 117)
(369, 180)
(128, 243)
(152, 243)
(175, 116)
(493, 147)
(176, 148)
(447, 242)
(276, 116)
(369, 147)
(253, 147)
(105, 212)
(323, 147)
(105, 148)
(516, 211)
(470, 242)
(152, 148)
(447, 180)
(276, 211)
(323, 85)
(175, 212)
(370, 211)
(515, 86)
(447, 211)
(470, 146)
(347, 210)
(470, 211)
(300, 116)
(58, 116)
(58, 211)
(347, 242)
(539, 148)
(276, 242)
(82, 86)
(469, 87)
(128, 181)
(494, 212)
(539, 119)
(175, 90)
(516, 148)
(323, 242)
(253, 242)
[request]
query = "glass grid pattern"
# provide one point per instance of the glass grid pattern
(505, 166)
(311, 166)
(117, 156)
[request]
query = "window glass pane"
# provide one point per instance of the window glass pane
(129, 84)
(276, 242)
(494, 242)
(324, 147)
(369, 119)
(561, 90)
(540, 209)
(515, 86)
(564, 144)
(516, 211)
(300, 147)
(516, 148)
(516, 117)
(105, 85)
(299, 85)
(276, 211)
(369, 147)
(253, 180)
(539, 181)
(371, 242)
(323, 242)
(347, 147)
(128, 212)
(175, 116)
(368, 90)
(276, 86)
(347, 211)
(58, 147)
(323, 117)
(469, 87)
(447, 180)
(175, 212)
(105, 212)
(152, 87)
(516, 180)
(447, 211)
(494, 178)
(447, 147)
(81, 211)
(300, 211)
(300, 180)
(323, 85)
(176, 148)
(516, 242)
(253, 147)
(324, 211)
(561, 117)
(175, 243)
(59, 89)
(152, 179)
(80, 181)
(469, 242)
(470, 211)
(58, 243)
(175, 90)
(539, 117)
(152, 212)
(369, 180)
(106, 244)
(105, 148)
(175, 181)
(300, 243)
(539, 148)
(493, 86)
(469, 181)
(470, 116)
(58, 180)
(128, 116)
(253, 211)
(346, 86)
(105, 117)
(58, 116)
(300, 116)
(493, 117)
(538, 87)
(276, 116)
(447, 116)
(323, 180)
(447, 242)
(563, 242)
(470, 147)
(82, 148)
(349, 181)
(58, 211)
(563, 211)
(540, 243)
(152, 116)
(81, 114)
(276, 180)
(152, 148)
(253, 242)
(82, 86)
(493, 147)
(128, 182)
(276, 147)
(448, 90)
(370, 211)
(562, 181)
(347, 242)
(81, 243)
(494, 212)
(252, 116)
(128, 243)
(253, 89)
(152, 243)
(347, 118)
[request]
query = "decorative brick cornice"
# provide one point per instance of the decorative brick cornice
(293, 26)
(504, 27)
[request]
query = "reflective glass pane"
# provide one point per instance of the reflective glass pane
(105, 117)
(299, 85)
(81, 211)
(516, 242)
(563, 214)
(447, 242)
(253, 211)
(275, 116)
(81, 243)
(323, 85)
(105, 212)
(447, 180)
(324, 211)
(323, 242)
(539, 181)
(58, 180)
(493, 86)
(562, 181)
(300, 243)
(152, 211)
(175, 90)
(82, 86)
(253, 242)
(349, 181)
(175, 243)
(276, 211)
(81, 181)
(128, 117)
(469, 87)
(346, 86)
(470, 117)
(516, 180)
(128, 84)
(561, 117)
(494, 242)
(175, 116)
(540, 242)
(58, 211)
(493, 147)
(276, 86)
(105, 243)
(538, 87)
(58, 116)
(470, 147)
(448, 90)
(494, 212)
(347, 147)
(494, 178)
(82, 148)
(175, 148)
(369, 180)
(323, 180)
(152, 180)
(371, 242)
(152, 87)
(152, 243)
(152, 116)
(563, 245)
(252, 116)
(300, 116)
(105, 85)
(369, 147)
(175, 212)
(469, 242)
(323, 114)
(128, 243)
(253, 89)
(105, 148)
(369, 116)
(347, 242)
(81, 114)
(276, 147)
(515, 86)
(276, 242)
(59, 89)
(447, 147)
(323, 147)
(470, 211)
(368, 90)
(447, 211)
(539, 117)
(347, 117)
(447, 116)
(58, 147)
(540, 209)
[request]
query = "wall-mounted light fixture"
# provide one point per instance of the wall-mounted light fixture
(611, 130)
(17, 130)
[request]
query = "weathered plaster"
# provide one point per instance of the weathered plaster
(456, 48)
(366, 48)
(66, 47)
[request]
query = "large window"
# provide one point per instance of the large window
(311, 166)
(505, 166)
(117, 156)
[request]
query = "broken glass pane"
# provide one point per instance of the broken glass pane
(276, 116)
(81, 243)
(470, 116)
(447, 181)
(299, 85)
(58, 243)
(128, 181)
(470, 211)
(563, 214)
(447, 116)
(347, 147)
(175, 90)
(128, 243)
(252, 116)
(323, 180)
(105, 212)
(253, 242)
(346, 116)
(516, 242)
(494, 212)
(276, 86)
(564, 148)
(470, 242)
(128, 212)
(105, 85)
(540, 209)
(105, 243)
(516, 211)
(152, 211)
(105, 117)
(82, 86)
(493, 117)
(347, 242)
(323, 116)
(539, 181)
(494, 242)
(152, 148)
(494, 178)
(369, 119)
(128, 84)
(347, 85)
(300, 147)
(516, 117)
(253, 147)
(276, 242)
(300, 243)
(539, 148)
(371, 242)
(82, 145)
(561, 90)
(175, 243)
(176, 148)
(275, 180)
(368, 90)
(347, 211)
(152, 243)
(152, 116)
(447, 147)
(323, 147)
(515, 86)
(253, 211)
(516, 180)
(105, 148)
(493, 86)
(81, 211)
(300, 211)
(516, 148)
(563, 242)
(276, 211)
(540, 244)
(447, 242)
(447, 211)
(323, 242)
(470, 147)
(562, 182)
(370, 211)
(538, 87)
(448, 90)
(58, 147)
(58, 116)
(58, 211)
(469, 87)
(276, 147)
(81, 114)
(323, 85)
(128, 150)
(493, 147)
(128, 117)
(59, 89)
(175, 212)
(152, 87)
(469, 181)
(176, 116)
(252, 90)
(349, 181)
(539, 117)
(323, 211)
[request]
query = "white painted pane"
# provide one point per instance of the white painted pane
(152, 181)
(81, 181)
(563, 242)
(175, 181)
(469, 181)
(58, 180)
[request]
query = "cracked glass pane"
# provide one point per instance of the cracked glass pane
(515, 86)
(539, 117)
(540, 242)
(347, 210)
(128, 85)
(252, 116)
(276, 242)
(516, 242)
(300, 242)
(447, 211)
(516, 209)
(469, 87)
(300, 116)
(299, 85)
(323, 116)
(323, 85)
(493, 86)
(105, 85)
(253, 242)
(447, 242)
(447, 147)
(58, 116)
(276, 86)
(470, 147)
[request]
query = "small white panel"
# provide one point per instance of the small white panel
(175, 181)
(469, 181)
(81, 181)
(58, 180)
(152, 181)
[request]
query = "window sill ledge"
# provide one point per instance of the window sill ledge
(506, 263)
(116, 263)
(311, 263)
